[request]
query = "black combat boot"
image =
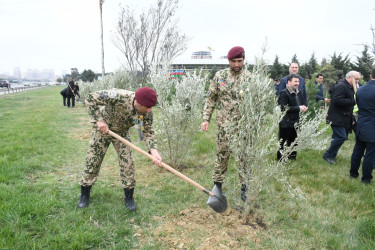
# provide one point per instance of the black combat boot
(85, 196)
(129, 200)
(243, 192)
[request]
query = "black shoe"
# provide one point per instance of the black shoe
(243, 192)
(129, 200)
(85, 196)
(329, 160)
(366, 181)
(353, 176)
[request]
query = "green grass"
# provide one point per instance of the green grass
(42, 150)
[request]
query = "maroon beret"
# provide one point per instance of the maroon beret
(146, 97)
(236, 52)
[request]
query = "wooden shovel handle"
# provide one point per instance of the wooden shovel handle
(174, 171)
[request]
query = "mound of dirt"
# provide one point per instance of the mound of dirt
(199, 228)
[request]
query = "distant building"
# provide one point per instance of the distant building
(201, 55)
(17, 73)
(205, 64)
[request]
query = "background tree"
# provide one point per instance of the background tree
(74, 73)
(294, 59)
(373, 40)
(311, 67)
(311, 91)
(324, 62)
(303, 69)
(330, 74)
(101, 35)
(87, 75)
(341, 63)
(364, 63)
(153, 37)
(277, 69)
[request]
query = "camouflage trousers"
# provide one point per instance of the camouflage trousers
(99, 144)
(222, 157)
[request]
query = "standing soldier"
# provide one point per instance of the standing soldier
(224, 91)
(117, 110)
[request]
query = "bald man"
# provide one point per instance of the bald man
(340, 114)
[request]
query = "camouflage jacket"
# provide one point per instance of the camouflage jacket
(225, 91)
(115, 107)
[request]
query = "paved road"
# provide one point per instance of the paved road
(16, 88)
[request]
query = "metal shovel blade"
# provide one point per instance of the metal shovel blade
(218, 202)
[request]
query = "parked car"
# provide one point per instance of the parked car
(4, 84)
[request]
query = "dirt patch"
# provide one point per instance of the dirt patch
(199, 228)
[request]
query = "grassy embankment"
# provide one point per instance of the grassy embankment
(42, 150)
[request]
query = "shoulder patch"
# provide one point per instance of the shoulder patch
(112, 94)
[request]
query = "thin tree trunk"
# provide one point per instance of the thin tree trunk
(101, 35)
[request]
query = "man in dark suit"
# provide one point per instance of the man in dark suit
(340, 114)
(293, 69)
(365, 131)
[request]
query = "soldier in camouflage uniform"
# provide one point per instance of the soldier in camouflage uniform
(117, 110)
(225, 92)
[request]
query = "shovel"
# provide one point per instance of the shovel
(217, 201)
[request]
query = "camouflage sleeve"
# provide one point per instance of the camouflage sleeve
(211, 100)
(93, 103)
(149, 132)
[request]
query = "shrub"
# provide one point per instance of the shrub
(120, 79)
(181, 112)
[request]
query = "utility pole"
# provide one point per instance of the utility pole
(101, 34)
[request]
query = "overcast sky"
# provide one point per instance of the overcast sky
(61, 34)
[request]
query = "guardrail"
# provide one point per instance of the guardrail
(18, 89)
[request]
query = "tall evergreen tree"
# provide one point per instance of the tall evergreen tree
(311, 66)
(311, 91)
(295, 59)
(324, 62)
(303, 71)
(276, 70)
(364, 64)
(341, 63)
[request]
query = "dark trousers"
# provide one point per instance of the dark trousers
(287, 136)
(339, 135)
(64, 100)
(368, 160)
(73, 101)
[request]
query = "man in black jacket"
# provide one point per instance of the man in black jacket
(291, 98)
(64, 94)
(293, 69)
(70, 92)
(340, 114)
